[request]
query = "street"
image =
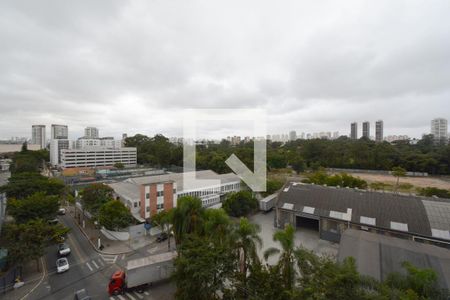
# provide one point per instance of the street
(91, 271)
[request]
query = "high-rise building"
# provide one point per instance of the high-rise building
(366, 129)
(56, 147)
(38, 135)
(59, 132)
(91, 133)
(379, 131)
(439, 130)
(292, 135)
(354, 131)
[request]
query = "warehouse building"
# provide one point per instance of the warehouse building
(332, 210)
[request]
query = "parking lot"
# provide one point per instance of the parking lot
(307, 238)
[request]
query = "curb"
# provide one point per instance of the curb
(92, 244)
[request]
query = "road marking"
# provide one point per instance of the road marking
(146, 293)
(121, 297)
(109, 258)
(101, 262)
(95, 264)
(138, 295)
(111, 298)
(131, 297)
(74, 245)
(89, 266)
(44, 274)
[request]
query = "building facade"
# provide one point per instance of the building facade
(38, 136)
(98, 157)
(56, 147)
(292, 135)
(91, 133)
(354, 131)
(439, 130)
(366, 129)
(59, 132)
(379, 131)
(145, 196)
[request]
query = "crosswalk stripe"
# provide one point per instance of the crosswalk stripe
(111, 298)
(139, 296)
(121, 297)
(89, 266)
(101, 262)
(131, 297)
(123, 256)
(95, 264)
(146, 293)
(115, 258)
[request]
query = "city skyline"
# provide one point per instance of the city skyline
(316, 76)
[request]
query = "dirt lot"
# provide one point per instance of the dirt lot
(416, 181)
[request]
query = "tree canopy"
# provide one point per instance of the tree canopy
(95, 195)
(37, 206)
(25, 184)
(114, 215)
(239, 204)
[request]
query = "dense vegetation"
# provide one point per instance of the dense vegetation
(240, 204)
(342, 180)
(218, 259)
(424, 156)
(33, 200)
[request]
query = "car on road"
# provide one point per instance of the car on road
(62, 265)
(162, 237)
(63, 249)
(53, 221)
(82, 295)
(61, 211)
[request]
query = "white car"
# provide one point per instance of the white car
(62, 265)
(63, 249)
(61, 211)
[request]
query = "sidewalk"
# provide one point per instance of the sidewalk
(31, 278)
(110, 247)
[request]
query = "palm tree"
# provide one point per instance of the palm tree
(246, 240)
(287, 258)
(398, 172)
(187, 217)
(216, 224)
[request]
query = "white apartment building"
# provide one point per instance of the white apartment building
(98, 157)
(38, 135)
(84, 143)
(56, 147)
(59, 132)
(439, 130)
(91, 133)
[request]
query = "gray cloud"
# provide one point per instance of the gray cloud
(133, 66)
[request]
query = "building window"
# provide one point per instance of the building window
(174, 191)
(147, 209)
(147, 196)
(135, 204)
(160, 206)
(160, 193)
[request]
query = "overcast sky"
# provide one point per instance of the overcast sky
(134, 66)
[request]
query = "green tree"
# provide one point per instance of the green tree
(286, 261)
(113, 215)
(187, 217)
(37, 206)
(204, 269)
(27, 241)
(272, 186)
(240, 204)
(164, 220)
(95, 195)
(432, 191)
(298, 164)
(119, 165)
(22, 185)
(246, 241)
(398, 172)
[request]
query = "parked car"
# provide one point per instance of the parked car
(82, 295)
(162, 237)
(63, 249)
(62, 265)
(61, 211)
(53, 221)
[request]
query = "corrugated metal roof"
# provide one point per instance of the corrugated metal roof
(416, 212)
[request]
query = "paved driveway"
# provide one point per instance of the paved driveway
(307, 238)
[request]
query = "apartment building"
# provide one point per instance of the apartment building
(146, 196)
(379, 131)
(38, 136)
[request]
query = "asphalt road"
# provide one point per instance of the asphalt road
(90, 270)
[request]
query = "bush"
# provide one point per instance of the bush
(240, 204)
(432, 191)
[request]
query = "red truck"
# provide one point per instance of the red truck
(141, 272)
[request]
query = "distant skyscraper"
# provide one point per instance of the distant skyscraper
(354, 131)
(379, 131)
(292, 135)
(38, 135)
(59, 132)
(91, 133)
(366, 129)
(439, 130)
